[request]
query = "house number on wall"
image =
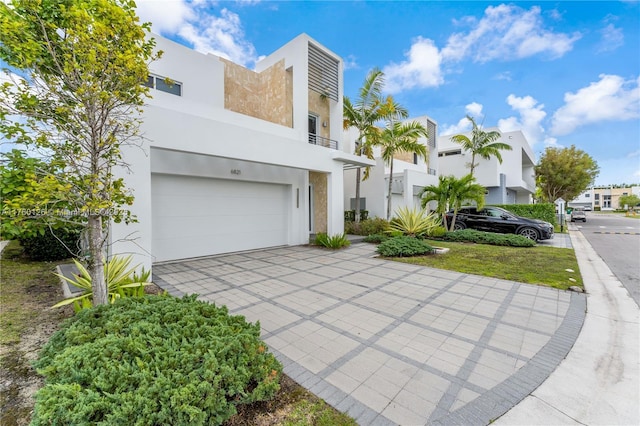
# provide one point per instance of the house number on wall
(235, 171)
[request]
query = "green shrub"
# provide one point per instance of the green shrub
(542, 211)
(153, 361)
(49, 247)
(404, 246)
(333, 242)
(374, 225)
(122, 281)
(480, 237)
(413, 222)
(437, 232)
(350, 215)
(376, 238)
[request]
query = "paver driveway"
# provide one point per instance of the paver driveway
(388, 342)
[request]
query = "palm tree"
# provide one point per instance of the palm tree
(452, 193)
(481, 143)
(363, 114)
(399, 137)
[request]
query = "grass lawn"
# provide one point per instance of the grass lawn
(534, 265)
(28, 289)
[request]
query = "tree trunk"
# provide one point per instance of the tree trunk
(390, 189)
(96, 264)
(473, 163)
(357, 209)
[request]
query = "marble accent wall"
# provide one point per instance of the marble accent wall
(318, 181)
(267, 95)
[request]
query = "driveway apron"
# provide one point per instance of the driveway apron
(389, 342)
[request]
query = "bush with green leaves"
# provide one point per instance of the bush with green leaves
(122, 281)
(437, 232)
(404, 246)
(376, 238)
(52, 244)
(413, 222)
(153, 361)
(480, 237)
(370, 226)
(542, 211)
(333, 242)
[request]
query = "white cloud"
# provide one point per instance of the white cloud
(421, 69)
(507, 32)
(196, 23)
(165, 16)
(350, 62)
(609, 99)
(611, 38)
(634, 154)
(473, 109)
(531, 114)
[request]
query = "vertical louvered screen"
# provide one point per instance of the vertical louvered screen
(323, 73)
(431, 132)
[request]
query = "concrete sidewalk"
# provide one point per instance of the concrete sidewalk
(598, 383)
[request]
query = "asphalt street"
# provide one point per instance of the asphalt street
(616, 239)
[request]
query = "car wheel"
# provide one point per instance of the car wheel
(529, 233)
(459, 226)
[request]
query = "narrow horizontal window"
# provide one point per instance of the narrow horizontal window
(164, 84)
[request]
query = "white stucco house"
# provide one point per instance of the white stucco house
(512, 182)
(410, 175)
(235, 159)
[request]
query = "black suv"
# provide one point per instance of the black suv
(495, 219)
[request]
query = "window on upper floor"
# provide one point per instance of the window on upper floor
(164, 84)
(597, 196)
(415, 158)
(448, 153)
(587, 195)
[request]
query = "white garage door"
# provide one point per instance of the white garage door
(195, 216)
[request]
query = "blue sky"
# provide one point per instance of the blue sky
(565, 73)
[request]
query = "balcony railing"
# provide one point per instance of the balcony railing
(319, 140)
(432, 172)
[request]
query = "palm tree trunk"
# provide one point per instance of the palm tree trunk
(389, 191)
(357, 209)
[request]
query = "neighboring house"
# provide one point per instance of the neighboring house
(410, 175)
(235, 159)
(584, 200)
(607, 197)
(512, 182)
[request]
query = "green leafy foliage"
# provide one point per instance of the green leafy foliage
(452, 193)
(564, 173)
(122, 281)
(404, 246)
(153, 361)
(333, 242)
(437, 232)
(413, 222)
(52, 244)
(376, 238)
(480, 237)
(482, 144)
(630, 201)
(542, 211)
(370, 226)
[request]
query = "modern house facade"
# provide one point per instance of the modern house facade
(603, 197)
(410, 175)
(235, 159)
(509, 182)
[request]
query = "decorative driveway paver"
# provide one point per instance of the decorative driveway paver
(388, 342)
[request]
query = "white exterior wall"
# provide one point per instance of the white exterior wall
(517, 166)
(194, 135)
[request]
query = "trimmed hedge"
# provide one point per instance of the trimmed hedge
(49, 247)
(374, 225)
(152, 361)
(542, 211)
(403, 246)
(480, 237)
